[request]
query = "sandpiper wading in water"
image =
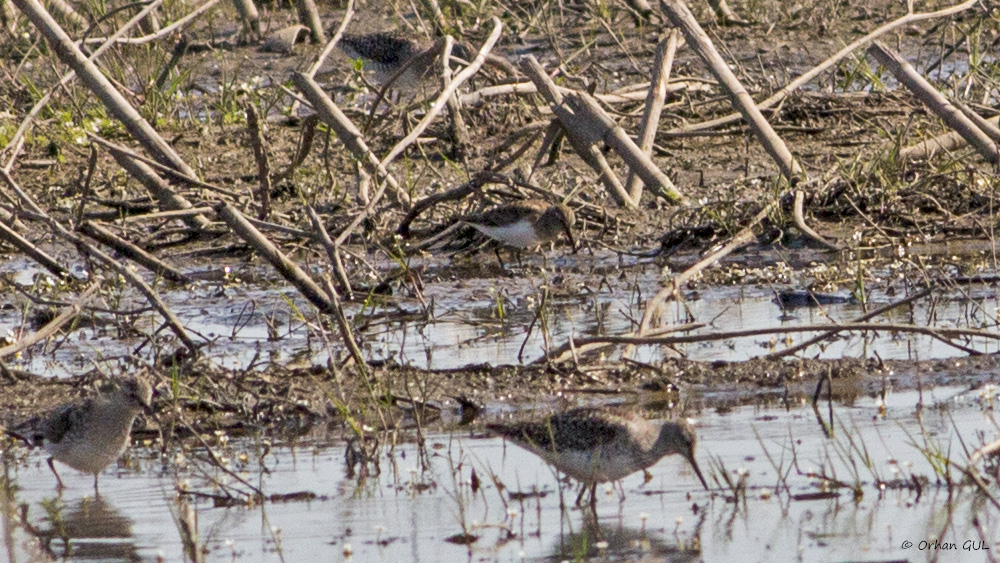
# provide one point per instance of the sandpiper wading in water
(595, 447)
(89, 434)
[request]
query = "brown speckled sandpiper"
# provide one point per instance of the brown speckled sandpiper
(88, 435)
(594, 447)
(525, 224)
(387, 53)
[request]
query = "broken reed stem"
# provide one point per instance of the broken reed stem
(655, 98)
(132, 252)
(14, 144)
(987, 126)
(807, 77)
(800, 222)
(554, 97)
(350, 135)
(440, 23)
(64, 10)
(724, 13)
(935, 101)
(945, 332)
(679, 14)
(250, 17)
(260, 155)
(148, 292)
(346, 334)
(53, 326)
(587, 124)
(302, 151)
(944, 142)
(332, 251)
(22, 244)
(870, 315)
(284, 265)
(163, 32)
(309, 17)
(189, 180)
(314, 68)
(159, 188)
(574, 347)
(454, 194)
(456, 126)
(652, 312)
(94, 79)
(526, 88)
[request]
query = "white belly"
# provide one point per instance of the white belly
(90, 454)
(520, 234)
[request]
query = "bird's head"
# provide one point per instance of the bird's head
(680, 438)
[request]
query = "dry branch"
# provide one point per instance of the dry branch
(583, 147)
(64, 10)
(937, 103)
(158, 188)
(806, 77)
(50, 328)
(594, 124)
(945, 332)
(22, 244)
(332, 252)
(260, 155)
(698, 40)
(171, 320)
(655, 98)
(251, 18)
(441, 102)
(870, 315)
(159, 34)
(132, 252)
(348, 133)
(92, 77)
(284, 265)
(652, 312)
(314, 68)
(945, 142)
(309, 17)
(800, 222)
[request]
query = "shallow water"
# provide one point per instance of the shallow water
(416, 502)
(248, 321)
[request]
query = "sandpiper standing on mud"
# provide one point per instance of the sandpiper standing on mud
(526, 224)
(595, 447)
(88, 435)
(387, 53)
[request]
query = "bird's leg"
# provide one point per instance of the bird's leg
(593, 498)
(496, 250)
(97, 494)
(579, 497)
(59, 482)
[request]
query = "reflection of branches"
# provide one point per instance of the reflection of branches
(214, 459)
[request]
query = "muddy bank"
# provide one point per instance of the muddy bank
(283, 403)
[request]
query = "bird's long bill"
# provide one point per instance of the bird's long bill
(572, 241)
(697, 471)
